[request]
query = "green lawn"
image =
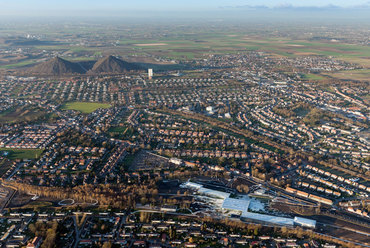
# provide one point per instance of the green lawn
(84, 107)
(313, 77)
(117, 129)
(23, 153)
(19, 64)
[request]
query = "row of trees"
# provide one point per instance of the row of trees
(48, 231)
(120, 196)
(284, 231)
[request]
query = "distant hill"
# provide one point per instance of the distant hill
(57, 66)
(107, 65)
(111, 64)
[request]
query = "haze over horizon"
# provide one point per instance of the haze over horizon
(191, 8)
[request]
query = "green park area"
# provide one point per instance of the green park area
(21, 153)
(313, 77)
(117, 129)
(21, 113)
(84, 107)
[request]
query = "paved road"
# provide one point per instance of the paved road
(77, 231)
(9, 197)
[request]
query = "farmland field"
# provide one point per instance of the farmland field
(200, 44)
(359, 75)
(19, 64)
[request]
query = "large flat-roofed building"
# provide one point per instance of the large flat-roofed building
(269, 218)
(192, 185)
(242, 206)
(235, 206)
(206, 191)
(304, 222)
(213, 193)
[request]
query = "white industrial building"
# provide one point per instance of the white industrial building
(235, 206)
(269, 218)
(175, 161)
(205, 191)
(213, 193)
(210, 110)
(304, 222)
(192, 185)
(150, 74)
(240, 206)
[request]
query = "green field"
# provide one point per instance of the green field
(313, 77)
(20, 113)
(23, 153)
(359, 75)
(200, 43)
(84, 107)
(19, 64)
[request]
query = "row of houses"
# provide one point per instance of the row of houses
(310, 196)
(319, 189)
(338, 178)
(209, 154)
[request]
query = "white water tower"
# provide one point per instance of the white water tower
(150, 74)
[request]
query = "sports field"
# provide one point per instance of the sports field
(22, 153)
(313, 77)
(84, 107)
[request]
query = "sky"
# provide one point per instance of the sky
(23, 8)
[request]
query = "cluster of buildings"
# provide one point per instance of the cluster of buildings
(356, 207)
(275, 126)
(247, 90)
(310, 196)
(261, 61)
(129, 230)
(176, 136)
(331, 136)
(351, 182)
(240, 207)
(32, 137)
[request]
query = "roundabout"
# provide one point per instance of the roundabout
(66, 202)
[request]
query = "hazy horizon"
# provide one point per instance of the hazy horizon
(164, 9)
(329, 16)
